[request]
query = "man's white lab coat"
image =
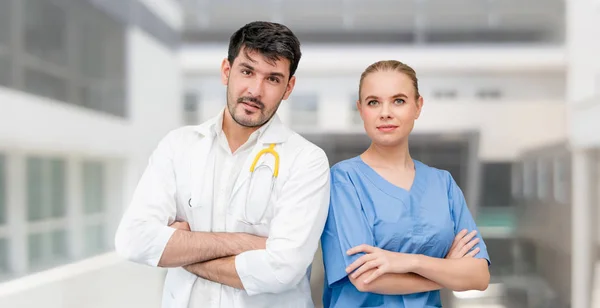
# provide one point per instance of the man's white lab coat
(177, 186)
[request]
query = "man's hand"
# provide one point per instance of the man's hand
(461, 245)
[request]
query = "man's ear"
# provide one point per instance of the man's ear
(290, 86)
(225, 71)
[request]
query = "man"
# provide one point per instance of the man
(231, 237)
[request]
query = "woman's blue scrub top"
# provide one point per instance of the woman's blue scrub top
(367, 209)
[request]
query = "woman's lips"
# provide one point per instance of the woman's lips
(387, 128)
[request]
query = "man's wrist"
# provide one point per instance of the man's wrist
(196, 268)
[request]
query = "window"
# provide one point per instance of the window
(5, 69)
(101, 62)
(3, 211)
(93, 187)
(94, 240)
(529, 179)
(496, 184)
(5, 38)
(5, 23)
(46, 189)
(72, 52)
(46, 31)
(94, 207)
(543, 179)
(46, 212)
(44, 84)
(4, 269)
(45, 44)
(47, 249)
(190, 109)
(517, 180)
(561, 180)
(304, 110)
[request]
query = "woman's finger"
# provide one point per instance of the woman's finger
(360, 248)
(468, 238)
(458, 237)
(360, 261)
(465, 249)
(473, 253)
(374, 275)
(365, 267)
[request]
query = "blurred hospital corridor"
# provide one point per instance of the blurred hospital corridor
(88, 89)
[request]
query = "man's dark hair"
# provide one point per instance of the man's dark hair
(272, 40)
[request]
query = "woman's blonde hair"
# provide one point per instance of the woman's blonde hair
(390, 65)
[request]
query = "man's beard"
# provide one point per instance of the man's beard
(263, 118)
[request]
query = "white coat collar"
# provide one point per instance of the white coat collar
(275, 131)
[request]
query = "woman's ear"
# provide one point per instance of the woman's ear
(419, 107)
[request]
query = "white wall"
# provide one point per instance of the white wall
(583, 95)
(154, 91)
(585, 123)
(332, 60)
(583, 73)
(507, 128)
(38, 124)
(155, 101)
(100, 282)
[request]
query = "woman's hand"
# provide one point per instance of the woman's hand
(385, 262)
(462, 244)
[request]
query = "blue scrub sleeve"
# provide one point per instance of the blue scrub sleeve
(462, 217)
(346, 227)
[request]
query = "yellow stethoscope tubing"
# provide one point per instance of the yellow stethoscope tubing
(270, 150)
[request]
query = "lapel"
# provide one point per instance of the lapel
(201, 190)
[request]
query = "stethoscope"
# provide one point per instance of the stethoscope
(269, 150)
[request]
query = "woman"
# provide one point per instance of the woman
(397, 229)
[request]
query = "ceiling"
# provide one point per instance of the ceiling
(394, 21)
